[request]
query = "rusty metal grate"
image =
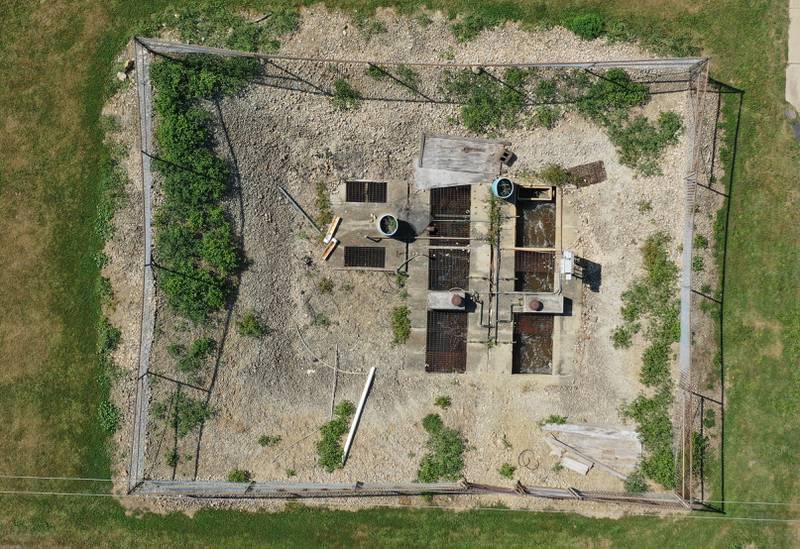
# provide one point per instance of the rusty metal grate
(446, 342)
(587, 174)
(448, 269)
(365, 256)
(450, 215)
(533, 344)
(451, 201)
(534, 271)
(365, 191)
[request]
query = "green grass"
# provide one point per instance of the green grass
(50, 186)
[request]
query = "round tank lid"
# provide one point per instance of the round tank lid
(535, 305)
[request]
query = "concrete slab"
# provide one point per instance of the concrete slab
(793, 85)
(794, 35)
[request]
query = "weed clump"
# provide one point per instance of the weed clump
(239, 475)
(507, 470)
(636, 483)
(640, 143)
(190, 362)
(329, 448)
(401, 325)
(344, 96)
(442, 401)
(445, 457)
(267, 441)
(252, 326)
(588, 26)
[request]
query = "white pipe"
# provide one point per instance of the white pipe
(357, 418)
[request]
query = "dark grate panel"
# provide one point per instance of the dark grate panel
(533, 271)
(365, 256)
(587, 174)
(533, 344)
(451, 201)
(448, 269)
(365, 191)
(446, 342)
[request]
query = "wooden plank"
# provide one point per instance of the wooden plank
(332, 229)
(326, 253)
(577, 452)
(576, 465)
(591, 431)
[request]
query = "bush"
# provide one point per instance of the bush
(239, 475)
(622, 336)
(173, 458)
(408, 76)
(507, 470)
(700, 242)
(108, 416)
(636, 483)
(655, 367)
(189, 362)
(268, 440)
(325, 286)
(554, 419)
(344, 96)
(322, 201)
(554, 174)
(588, 26)
(442, 402)
(329, 448)
(252, 326)
(699, 450)
(401, 325)
(640, 144)
(321, 320)
(698, 264)
(488, 105)
(610, 98)
(445, 457)
(375, 71)
(546, 117)
(187, 413)
(655, 429)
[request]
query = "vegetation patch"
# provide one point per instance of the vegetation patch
(190, 361)
(239, 475)
(587, 25)
(329, 447)
(344, 96)
(195, 244)
(251, 325)
(401, 324)
(640, 143)
(443, 402)
(185, 413)
(507, 470)
(652, 299)
(445, 457)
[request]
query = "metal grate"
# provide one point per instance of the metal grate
(448, 269)
(533, 344)
(446, 342)
(587, 174)
(365, 191)
(534, 271)
(451, 201)
(365, 256)
(450, 215)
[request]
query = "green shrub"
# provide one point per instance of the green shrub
(554, 174)
(487, 105)
(239, 475)
(698, 264)
(325, 285)
(700, 242)
(655, 430)
(408, 75)
(442, 401)
(329, 448)
(655, 367)
(644, 206)
(268, 440)
(471, 26)
(401, 325)
(445, 457)
(588, 26)
(187, 414)
(252, 326)
(710, 418)
(344, 96)
(375, 71)
(546, 117)
(291, 473)
(622, 336)
(699, 450)
(173, 458)
(189, 362)
(640, 144)
(507, 470)
(554, 419)
(611, 97)
(322, 201)
(636, 483)
(321, 320)
(108, 416)
(368, 25)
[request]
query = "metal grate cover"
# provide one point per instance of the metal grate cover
(446, 342)
(365, 256)
(448, 269)
(534, 271)
(365, 191)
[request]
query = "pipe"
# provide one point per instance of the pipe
(357, 418)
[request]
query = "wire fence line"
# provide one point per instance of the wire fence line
(679, 71)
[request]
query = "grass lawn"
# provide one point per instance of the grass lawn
(55, 65)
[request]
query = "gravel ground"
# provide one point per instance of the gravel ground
(281, 385)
